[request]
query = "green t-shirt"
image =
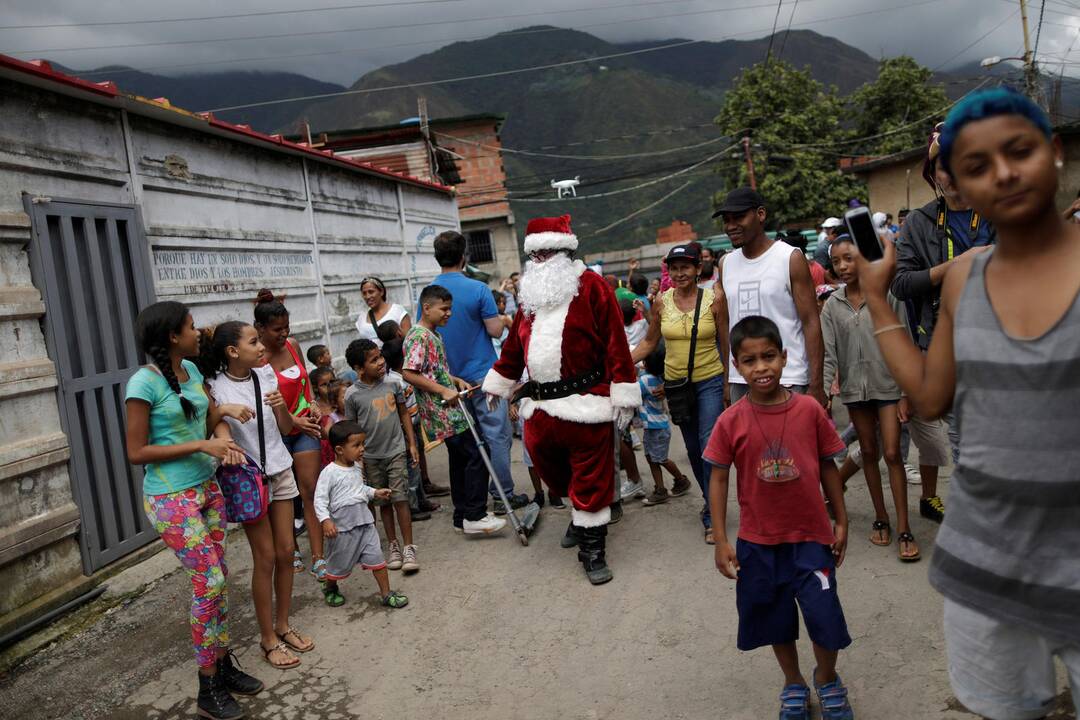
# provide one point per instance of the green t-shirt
(169, 426)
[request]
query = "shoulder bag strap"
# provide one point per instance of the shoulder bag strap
(372, 320)
(259, 415)
(693, 335)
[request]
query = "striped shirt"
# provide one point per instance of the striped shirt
(653, 414)
(1010, 543)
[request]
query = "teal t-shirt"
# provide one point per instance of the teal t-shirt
(169, 426)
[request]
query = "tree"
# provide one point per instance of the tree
(796, 122)
(901, 104)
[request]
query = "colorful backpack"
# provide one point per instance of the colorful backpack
(246, 490)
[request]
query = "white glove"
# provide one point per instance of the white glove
(622, 417)
(493, 401)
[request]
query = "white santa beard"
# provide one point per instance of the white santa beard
(548, 284)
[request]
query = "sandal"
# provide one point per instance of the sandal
(710, 539)
(395, 600)
(795, 702)
(906, 538)
(296, 641)
(332, 596)
(318, 569)
(289, 661)
(298, 562)
(881, 530)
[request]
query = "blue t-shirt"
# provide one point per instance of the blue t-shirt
(469, 351)
(959, 229)
(169, 426)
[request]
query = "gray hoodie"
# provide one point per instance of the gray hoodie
(852, 351)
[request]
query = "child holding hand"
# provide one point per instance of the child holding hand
(341, 505)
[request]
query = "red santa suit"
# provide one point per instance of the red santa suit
(570, 439)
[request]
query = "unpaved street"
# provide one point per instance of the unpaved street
(496, 630)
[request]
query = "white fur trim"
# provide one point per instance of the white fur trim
(583, 518)
(626, 395)
(586, 409)
(545, 343)
(550, 241)
(496, 384)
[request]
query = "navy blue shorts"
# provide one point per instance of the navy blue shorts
(771, 579)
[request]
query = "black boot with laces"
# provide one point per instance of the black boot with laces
(215, 702)
(236, 680)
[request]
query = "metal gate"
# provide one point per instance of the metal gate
(93, 266)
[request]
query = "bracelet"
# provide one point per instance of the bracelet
(889, 328)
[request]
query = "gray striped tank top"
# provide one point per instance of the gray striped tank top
(1010, 543)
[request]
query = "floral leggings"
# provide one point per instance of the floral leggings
(192, 523)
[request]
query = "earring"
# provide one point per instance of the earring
(1059, 164)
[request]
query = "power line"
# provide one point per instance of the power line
(977, 40)
(416, 43)
(648, 207)
(651, 153)
(772, 35)
(400, 26)
(501, 73)
(635, 187)
(1038, 31)
(305, 11)
(783, 43)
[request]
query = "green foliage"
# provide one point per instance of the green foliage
(783, 109)
(901, 95)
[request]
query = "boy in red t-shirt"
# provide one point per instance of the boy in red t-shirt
(781, 443)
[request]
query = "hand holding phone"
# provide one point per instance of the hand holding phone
(860, 227)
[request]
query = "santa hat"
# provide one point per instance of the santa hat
(549, 234)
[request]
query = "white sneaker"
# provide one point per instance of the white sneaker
(393, 561)
(914, 477)
(410, 563)
(631, 490)
(484, 526)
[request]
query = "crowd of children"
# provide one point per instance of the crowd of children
(247, 407)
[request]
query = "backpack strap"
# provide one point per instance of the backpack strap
(259, 416)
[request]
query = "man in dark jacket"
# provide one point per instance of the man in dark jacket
(931, 239)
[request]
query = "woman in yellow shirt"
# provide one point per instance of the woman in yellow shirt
(672, 317)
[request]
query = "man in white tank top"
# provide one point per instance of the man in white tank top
(769, 278)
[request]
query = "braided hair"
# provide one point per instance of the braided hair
(153, 327)
(212, 359)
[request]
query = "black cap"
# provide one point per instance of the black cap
(740, 200)
(684, 252)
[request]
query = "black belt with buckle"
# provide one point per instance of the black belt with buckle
(559, 388)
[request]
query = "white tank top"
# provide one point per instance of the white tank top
(762, 286)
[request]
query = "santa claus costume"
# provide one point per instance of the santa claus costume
(568, 333)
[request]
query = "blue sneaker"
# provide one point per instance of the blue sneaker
(834, 700)
(795, 702)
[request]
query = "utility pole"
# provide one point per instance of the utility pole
(1031, 72)
(749, 162)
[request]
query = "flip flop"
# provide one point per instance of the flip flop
(290, 661)
(908, 538)
(880, 526)
(296, 641)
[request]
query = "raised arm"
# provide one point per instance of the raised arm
(928, 381)
(652, 336)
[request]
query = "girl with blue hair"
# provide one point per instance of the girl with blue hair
(1005, 357)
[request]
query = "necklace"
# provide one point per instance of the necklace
(237, 379)
(775, 448)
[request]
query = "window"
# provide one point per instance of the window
(478, 245)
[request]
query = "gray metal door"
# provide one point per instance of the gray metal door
(93, 266)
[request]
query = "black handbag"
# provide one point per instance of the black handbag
(681, 395)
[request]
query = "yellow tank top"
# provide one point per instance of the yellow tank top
(676, 325)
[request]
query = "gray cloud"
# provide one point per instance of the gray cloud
(933, 32)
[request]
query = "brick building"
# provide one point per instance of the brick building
(679, 231)
(463, 152)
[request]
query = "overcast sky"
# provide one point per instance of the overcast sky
(339, 45)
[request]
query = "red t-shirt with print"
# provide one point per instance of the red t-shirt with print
(777, 451)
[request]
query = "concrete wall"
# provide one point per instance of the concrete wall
(222, 218)
(891, 186)
(504, 245)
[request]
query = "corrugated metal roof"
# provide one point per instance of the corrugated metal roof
(40, 74)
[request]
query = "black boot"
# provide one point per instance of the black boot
(215, 702)
(570, 539)
(237, 681)
(616, 512)
(591, 542)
